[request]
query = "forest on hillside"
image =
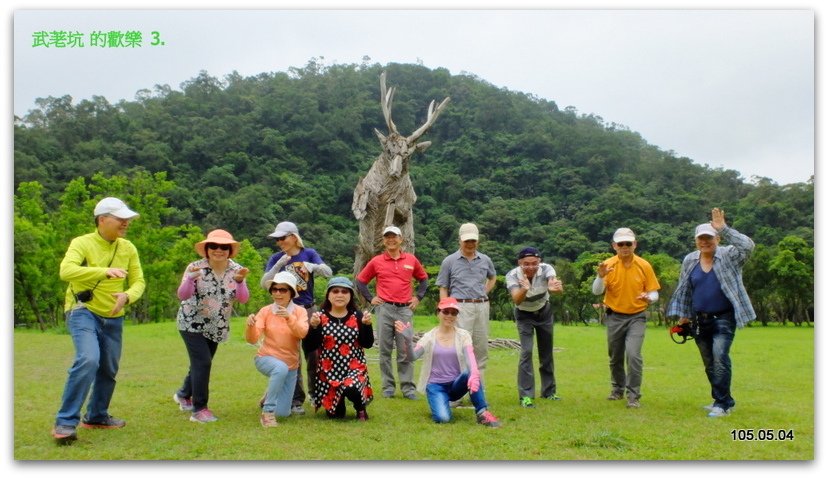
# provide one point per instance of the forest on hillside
(243, 153)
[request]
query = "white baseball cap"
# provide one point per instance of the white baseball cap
(468, 232)
(706, 230)
(285, 229)
(623, 234)
(114, 207)
(394, 229)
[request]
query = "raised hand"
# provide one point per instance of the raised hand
(717, 219)
(241, 274)
(366, 318)
(316, 319)
(194, 272)
(555, 285)
(604, 269)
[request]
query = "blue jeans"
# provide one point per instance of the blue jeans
(714, 339)
(280, 384)
(97, 343)
(440, 394)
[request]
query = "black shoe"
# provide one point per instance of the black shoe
(64, 433)
(108, 422)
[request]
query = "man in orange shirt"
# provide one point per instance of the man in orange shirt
(629, 285)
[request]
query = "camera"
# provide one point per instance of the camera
(684, 331)
(83, 296)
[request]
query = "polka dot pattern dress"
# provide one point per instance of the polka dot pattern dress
(341, 363)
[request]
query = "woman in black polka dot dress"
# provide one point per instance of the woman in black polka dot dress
(341, 333)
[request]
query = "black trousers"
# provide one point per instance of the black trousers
(197, 382)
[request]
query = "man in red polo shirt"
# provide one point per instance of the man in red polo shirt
(394, 301)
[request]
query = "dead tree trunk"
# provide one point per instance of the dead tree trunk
(385, 196)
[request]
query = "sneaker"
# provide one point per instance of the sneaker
(710, 407)
(554, 396)
(108, 422)
(185, 404)
(455, 403)
(203, 416)
(362, 415)
(64, 433)
(387, 394)
(268, 420)
(297, 410)
(411, 396)
(527, 402)
(633, 403)
(487, 419)
(615, 395)
(716, 412)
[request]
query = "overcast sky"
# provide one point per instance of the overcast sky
(726, 88)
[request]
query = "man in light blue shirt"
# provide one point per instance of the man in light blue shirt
(469, 276)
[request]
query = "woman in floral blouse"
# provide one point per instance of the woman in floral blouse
(341, 333)
(207, 291)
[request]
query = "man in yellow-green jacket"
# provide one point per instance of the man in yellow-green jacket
(104, 275)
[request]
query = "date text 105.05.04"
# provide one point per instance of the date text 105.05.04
(761, 434)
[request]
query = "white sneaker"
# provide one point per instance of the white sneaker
(297, 410)
(716, 412)
(712, 405)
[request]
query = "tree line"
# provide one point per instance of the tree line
(243, 153)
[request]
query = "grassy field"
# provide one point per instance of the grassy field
(773, 385)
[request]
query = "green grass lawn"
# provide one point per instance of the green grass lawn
(773, 385)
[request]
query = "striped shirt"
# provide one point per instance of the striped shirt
(727, 264)
(538, 293)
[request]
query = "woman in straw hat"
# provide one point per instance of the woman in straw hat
(207, 291)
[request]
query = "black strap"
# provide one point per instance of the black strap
(107, 266)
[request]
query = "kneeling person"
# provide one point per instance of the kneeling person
(449, 368)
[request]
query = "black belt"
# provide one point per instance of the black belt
(398, 304)
(472, 301)
(610, 311)
(712, 315)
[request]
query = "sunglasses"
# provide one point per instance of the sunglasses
(223, 247)
(624, 244)
(450, 312)
(338, 290)
(281, 290)
(281, 238)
